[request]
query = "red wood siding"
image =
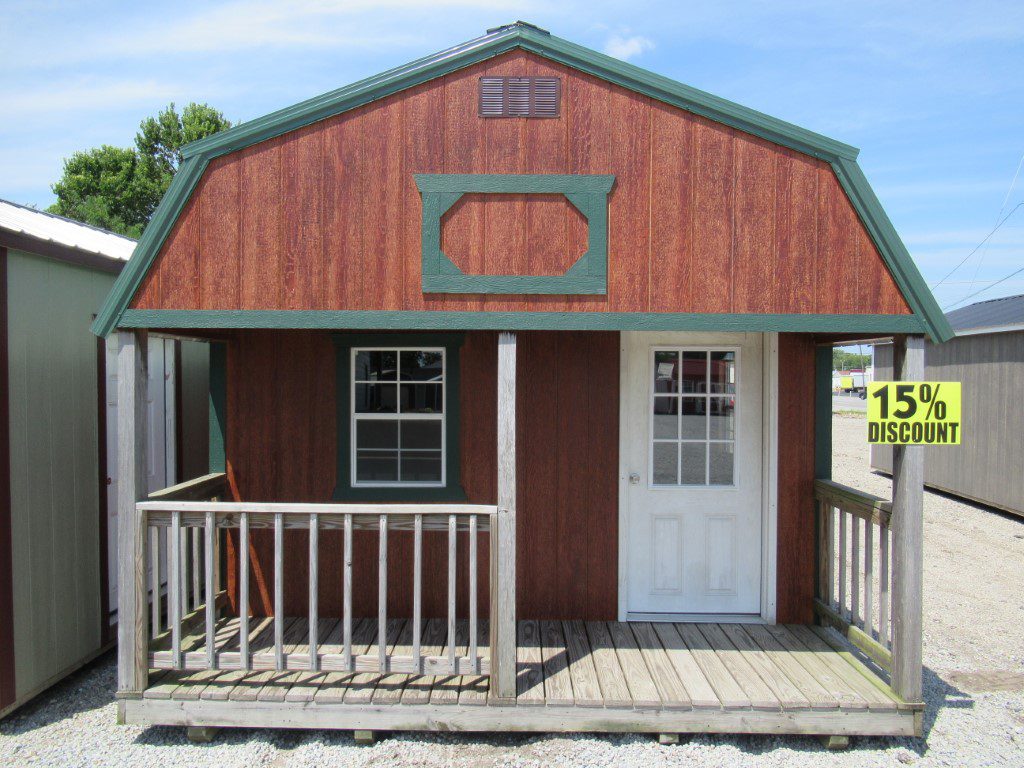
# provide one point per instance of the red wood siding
(795, 568)
(281, 446)
(702, 218)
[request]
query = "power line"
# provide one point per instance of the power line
(1006, 199)
(990, 285)
(994, 230)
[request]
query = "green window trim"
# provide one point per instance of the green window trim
(452, 490)
(587, 193)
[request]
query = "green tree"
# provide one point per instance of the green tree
(845, 361)
(117, 188)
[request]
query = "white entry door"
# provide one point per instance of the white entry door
(692, 452)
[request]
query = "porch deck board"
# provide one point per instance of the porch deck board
(796, 674)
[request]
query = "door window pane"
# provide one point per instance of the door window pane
(666, 463)
(722, 414)
(694, 462)
(666, 417)
(666, 365)
(695, 372)
(723, 372)
(721, 463)
(695, 425)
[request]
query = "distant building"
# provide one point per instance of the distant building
(58, 405)
(987, 356)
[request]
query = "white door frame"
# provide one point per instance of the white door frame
(769, 489)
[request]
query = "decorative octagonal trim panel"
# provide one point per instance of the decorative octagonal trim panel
(588, 194)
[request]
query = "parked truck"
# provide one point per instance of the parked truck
(852, 382)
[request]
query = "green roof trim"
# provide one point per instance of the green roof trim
(523, 36)
(459, 320)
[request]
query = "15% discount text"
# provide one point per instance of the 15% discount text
(914, 413)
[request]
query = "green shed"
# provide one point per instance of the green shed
(57, 584)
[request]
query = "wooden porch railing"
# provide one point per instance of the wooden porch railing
(191, 529)
(854, 583)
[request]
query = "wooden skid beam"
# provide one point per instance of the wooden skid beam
(492, 718)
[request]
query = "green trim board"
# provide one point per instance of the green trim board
(218, 406)
(343, 489)
(587, 193)
(823, 413)
(841, 156)
(515, 321)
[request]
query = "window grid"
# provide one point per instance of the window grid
(680, 396)
(398, 416)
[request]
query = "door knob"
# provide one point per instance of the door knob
(634, 478)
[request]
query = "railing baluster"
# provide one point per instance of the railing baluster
(347, 597)
(452, 540)
(417, 592)
(154, 578)
(382, 595)
(174, 583)
(279, 660)
(869, 581)
(197, 585)
(474, 658)
(883, 586)
(314, 590)
(830, 543)
(243, 590)
(184, 563)
(855, 570)
(211, 597)
(842, 562)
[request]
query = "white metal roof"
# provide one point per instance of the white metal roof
(57, 229)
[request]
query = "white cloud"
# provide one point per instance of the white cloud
(86, 96)
(626, 48)
(254, 25)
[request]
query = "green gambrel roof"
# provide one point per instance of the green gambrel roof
(842, 157)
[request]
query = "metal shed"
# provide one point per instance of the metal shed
(57, 600)
(987, 355)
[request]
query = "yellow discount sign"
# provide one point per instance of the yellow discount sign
(914, 413)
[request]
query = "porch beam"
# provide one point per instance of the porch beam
(503, 571)
(132, 381)
(907, 537)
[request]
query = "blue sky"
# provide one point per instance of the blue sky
(932, 92)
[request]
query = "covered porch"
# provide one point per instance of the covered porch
(571, 676)
(202, 655)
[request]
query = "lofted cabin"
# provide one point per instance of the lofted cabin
(520, 415)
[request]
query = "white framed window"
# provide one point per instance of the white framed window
(397, 412)
(693, 416)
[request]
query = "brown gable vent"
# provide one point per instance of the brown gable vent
(520, 96)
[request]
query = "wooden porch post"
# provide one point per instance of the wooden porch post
(132, 379)
(503, 571)
(908, 537)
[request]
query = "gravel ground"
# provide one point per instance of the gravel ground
(974, 685)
